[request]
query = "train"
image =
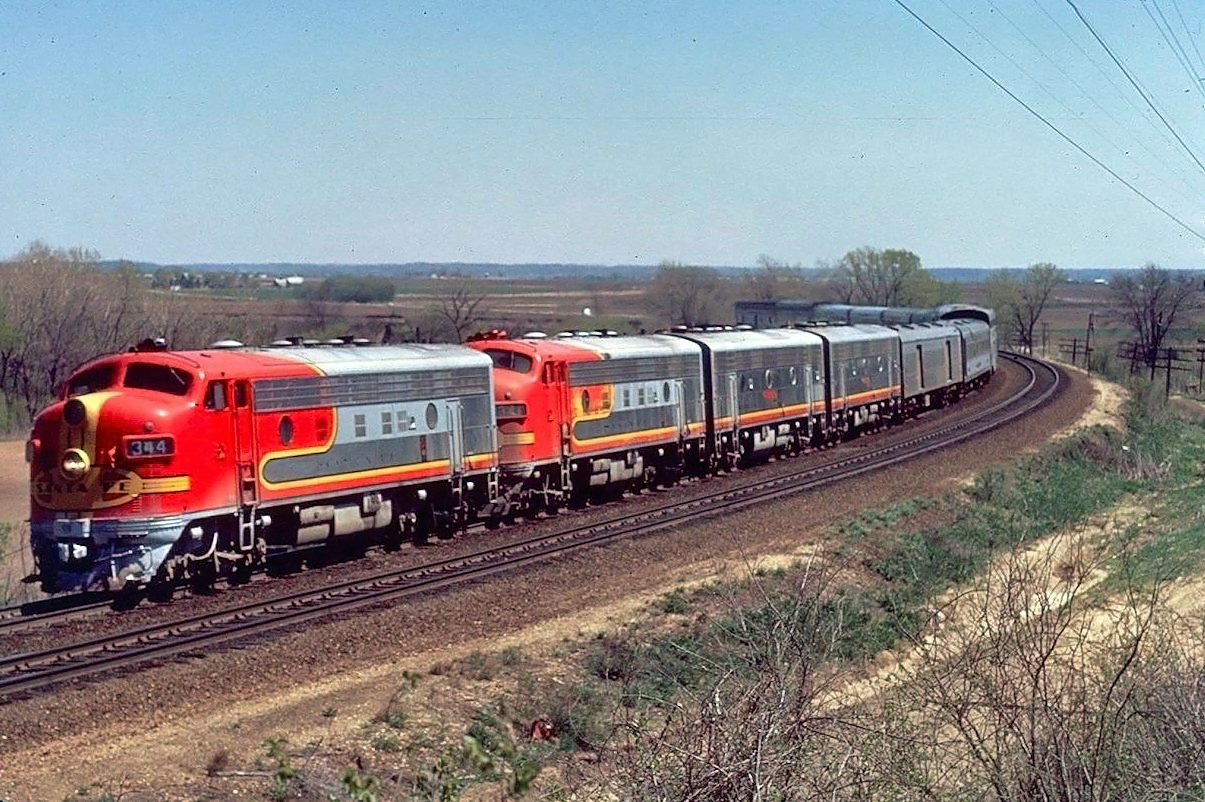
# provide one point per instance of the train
(157, 468)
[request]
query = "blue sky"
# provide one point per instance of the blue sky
(602, 133)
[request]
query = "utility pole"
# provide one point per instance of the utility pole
(1200, 366)
(1088, 341)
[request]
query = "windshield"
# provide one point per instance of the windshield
(510, 360)
(91, 381)
(160, 378)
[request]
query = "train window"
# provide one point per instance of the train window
(627, 397)
(640, 396)
(792, 376)
(769, 380)
(215, 396)
(90, 381)
(386, 422)
(665, 391)
(285, 430)
(241, 395)
(432, 416)
(510, 360)
(160, 378)
(361, 425)
(585, 400)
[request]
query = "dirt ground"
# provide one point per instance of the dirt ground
(15, 561)
(150, 736)
(14, 482)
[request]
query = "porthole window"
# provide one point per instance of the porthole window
(286, 430)
(792, 375)
(585, 400)
(432, 416)
(769, 380)
(665, 391)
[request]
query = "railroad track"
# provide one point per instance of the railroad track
(38, 671)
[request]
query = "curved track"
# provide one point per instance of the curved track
(31, 672)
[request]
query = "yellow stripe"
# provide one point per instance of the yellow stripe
(629, 437)
(166, 484)
(84, 436)
(396, 471)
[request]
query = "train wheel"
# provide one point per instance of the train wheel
(201, 578)
(284, 564)
(240, 573)
(393, 536)
(161, 590)
(128, 597)
(424, 525)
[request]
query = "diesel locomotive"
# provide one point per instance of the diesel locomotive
(157, 467)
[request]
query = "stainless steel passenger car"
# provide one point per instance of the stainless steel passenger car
(863, 366)
(933, 367)
(765, 391)
(978, 350)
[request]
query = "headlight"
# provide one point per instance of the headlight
(75, 463)
(74, 412)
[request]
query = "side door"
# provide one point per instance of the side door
(734, 403)
(556, 378)
(244, 441)
(455, 436)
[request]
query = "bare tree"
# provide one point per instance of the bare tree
(1020, 302)
(460, 310)
(687, 295)
(62, 309)
(773, 280)
(1151, 301)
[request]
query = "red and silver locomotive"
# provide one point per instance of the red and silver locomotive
(169, 465)
(157, 466)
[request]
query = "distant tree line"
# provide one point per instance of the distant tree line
(59, 308)
(349, 289)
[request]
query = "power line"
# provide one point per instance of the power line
(1173, 42)
(1049, 124)
(1177, 173)
(1126, 97)
(1134, 82)
(1188, 33)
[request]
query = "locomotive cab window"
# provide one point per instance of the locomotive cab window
(215, 396)
(510, 360)
(91, 381)
(160, 378)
